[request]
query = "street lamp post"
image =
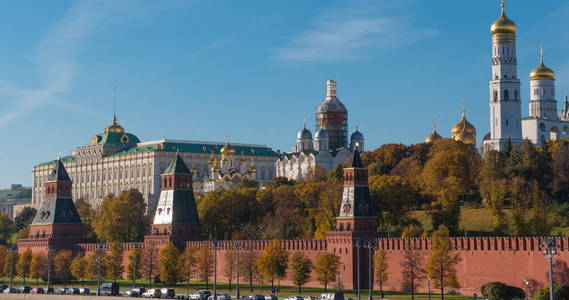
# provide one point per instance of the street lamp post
(238, 246)
(429, 278)
(135, 247)
(370, 246)
(49, 250)
(12, 249)
(215, 245)
(99, 248)
(358, 244)
(549, 250)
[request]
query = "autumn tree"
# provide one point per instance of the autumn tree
(134, 266)
(327, 209)
(380, 264)
(23, 264)
(560, 173)
(8, 228)
(149, 266)
(441, 265)
(273, 262)
(4, 258)
(394, 195)
(230, 265)
(287, 214)
(87, 214)
(493, 185)
(412, 231)
(205, 264)
(169, 268)
(121, 219)
(79, 268)
(327, 268)
(10, 261)
(412, 268)
(300, 267)
(96, 264)
(248, 266)
(114, 262)
(25, 217)
(38, 266)
(188, 263)
(62, 265)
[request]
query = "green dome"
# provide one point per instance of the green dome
(114, 138)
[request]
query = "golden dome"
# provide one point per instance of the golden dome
(242, 162)
(503, 25)
(433, 137)
(542, 72)
(466, 137)
(114, 127)
(252, 170)
(211, 161)
(225, 161)
(227, 150)
(216, 170)
(463, 123)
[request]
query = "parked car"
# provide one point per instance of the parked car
(3, 287)
(295, 298)
(169, 293)
(10, 290)
(271, 297)
(255, 297)
(37, 291)
(332, 296)
(309, 298)
(47, 290)
(220, 296)
(72, 291)
(84, 291)
(61, 291)
(152, 293)
(136, 292)
(24, 290)
(109, 289)
(200, 295)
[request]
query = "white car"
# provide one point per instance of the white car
(295, 298)
(222, 296)
(152, 293)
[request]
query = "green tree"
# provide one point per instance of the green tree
(11, 260)
(412, 231)
(248, 183)
(23, 264)
(188, 263)
(87, 214)
(273, 262)
(300, 266)
(134, 266)
(205, 264)
(441, 265)
(8, 228)
(121, 219)
(62, 265)
(169, 268)
(25, 217)
(79, 268)
(327, 267)
(38, 266)
(380, 263)
(494, 188)
(560, 292)
(394, 195)
(114, 262)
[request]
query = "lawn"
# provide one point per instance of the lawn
(284, 291)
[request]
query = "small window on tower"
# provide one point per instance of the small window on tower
(506, 95)
(507, 123)
(495, 95)
(517, 95)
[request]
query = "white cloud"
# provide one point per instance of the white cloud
(351, 34)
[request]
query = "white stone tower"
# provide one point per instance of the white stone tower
(542, 102)
(505, 103)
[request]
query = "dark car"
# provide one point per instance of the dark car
(255, 297)
(61, 291)
(168, 293)
(83, 291)
(48, 290)
(10, 290)
(109, 289)
(136, 292)
(24, 290)
(72, 291)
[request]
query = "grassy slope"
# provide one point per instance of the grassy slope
(475, 219)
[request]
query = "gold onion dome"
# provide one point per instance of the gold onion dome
(503, 25)
(227, 150)
(114, 127)
(211, 161)
(466, 138)
(216, 170)
(542, 72)
(433, 137)
(463, 123)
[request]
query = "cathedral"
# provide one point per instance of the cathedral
(328, 148)
(506, 122)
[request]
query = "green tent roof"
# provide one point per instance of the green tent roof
(177, 166)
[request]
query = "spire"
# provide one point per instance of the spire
(177, 166)
(115, 105)
(503, 8)
(356, 159)
(58, 173)
(330, 89)
(541, 54)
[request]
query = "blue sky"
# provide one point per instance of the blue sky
(203, 70)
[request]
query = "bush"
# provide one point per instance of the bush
(560, 292)
(501, 291)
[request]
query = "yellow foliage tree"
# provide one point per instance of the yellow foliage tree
(380, 264)
(441, 265)
(327, 267)
(273, 262)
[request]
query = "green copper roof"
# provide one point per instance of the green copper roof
(177, 166)
(57, 211)
(115, 138)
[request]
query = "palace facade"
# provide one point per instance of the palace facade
(115, 160)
